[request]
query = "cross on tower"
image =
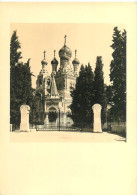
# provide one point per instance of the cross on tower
(44, 54)
(75, 53)
(54, 52)
(65, 39)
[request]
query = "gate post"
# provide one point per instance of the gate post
(24, 125)
(47, 119)
(97, 118)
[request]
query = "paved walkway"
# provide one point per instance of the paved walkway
(63, 136)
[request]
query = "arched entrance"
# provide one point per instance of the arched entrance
(52, 115)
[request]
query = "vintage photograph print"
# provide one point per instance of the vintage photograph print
(68, 82)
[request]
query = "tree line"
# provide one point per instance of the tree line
(90, 87)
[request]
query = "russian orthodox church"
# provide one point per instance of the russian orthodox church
(53, 90)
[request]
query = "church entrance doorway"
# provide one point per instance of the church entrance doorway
(52, 115)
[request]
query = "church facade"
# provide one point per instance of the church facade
(53, 90)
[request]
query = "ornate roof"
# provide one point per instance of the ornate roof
(65, 52)
(54, 61)
(75, 61)
(44, 62)
(54, 91)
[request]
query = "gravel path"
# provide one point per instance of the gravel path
(56, 136)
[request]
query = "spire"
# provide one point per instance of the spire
(44, 54)
(54, 91)
(75, 53)
(65, 40)
(54, 52)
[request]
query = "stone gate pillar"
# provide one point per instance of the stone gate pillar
(97, 118)
(65, 118)
(24, 125)
(46, 119)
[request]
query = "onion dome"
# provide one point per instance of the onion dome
(75, 61)
(54, 61)
(65, 53)
(44, 62)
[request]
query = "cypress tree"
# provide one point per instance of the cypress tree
(82, 97)
(15, 45)
(15, 55)
(89, 95)
(99, 88)
(109, 95)
(20, 81)
(118, 75)
(77, 98)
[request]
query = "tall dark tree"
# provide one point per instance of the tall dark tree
(15, 55)
(76, 95)
(89, 93)
(109, 94)
(82, 97)
(99, 88)
(20, 81)
(118, 74)
(15, 45)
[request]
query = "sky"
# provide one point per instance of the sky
(90, 41)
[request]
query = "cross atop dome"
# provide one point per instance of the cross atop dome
(54, 52)
(44, 62)
(44, 54)
(65, 52)
(75, 53)
(65, 39)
